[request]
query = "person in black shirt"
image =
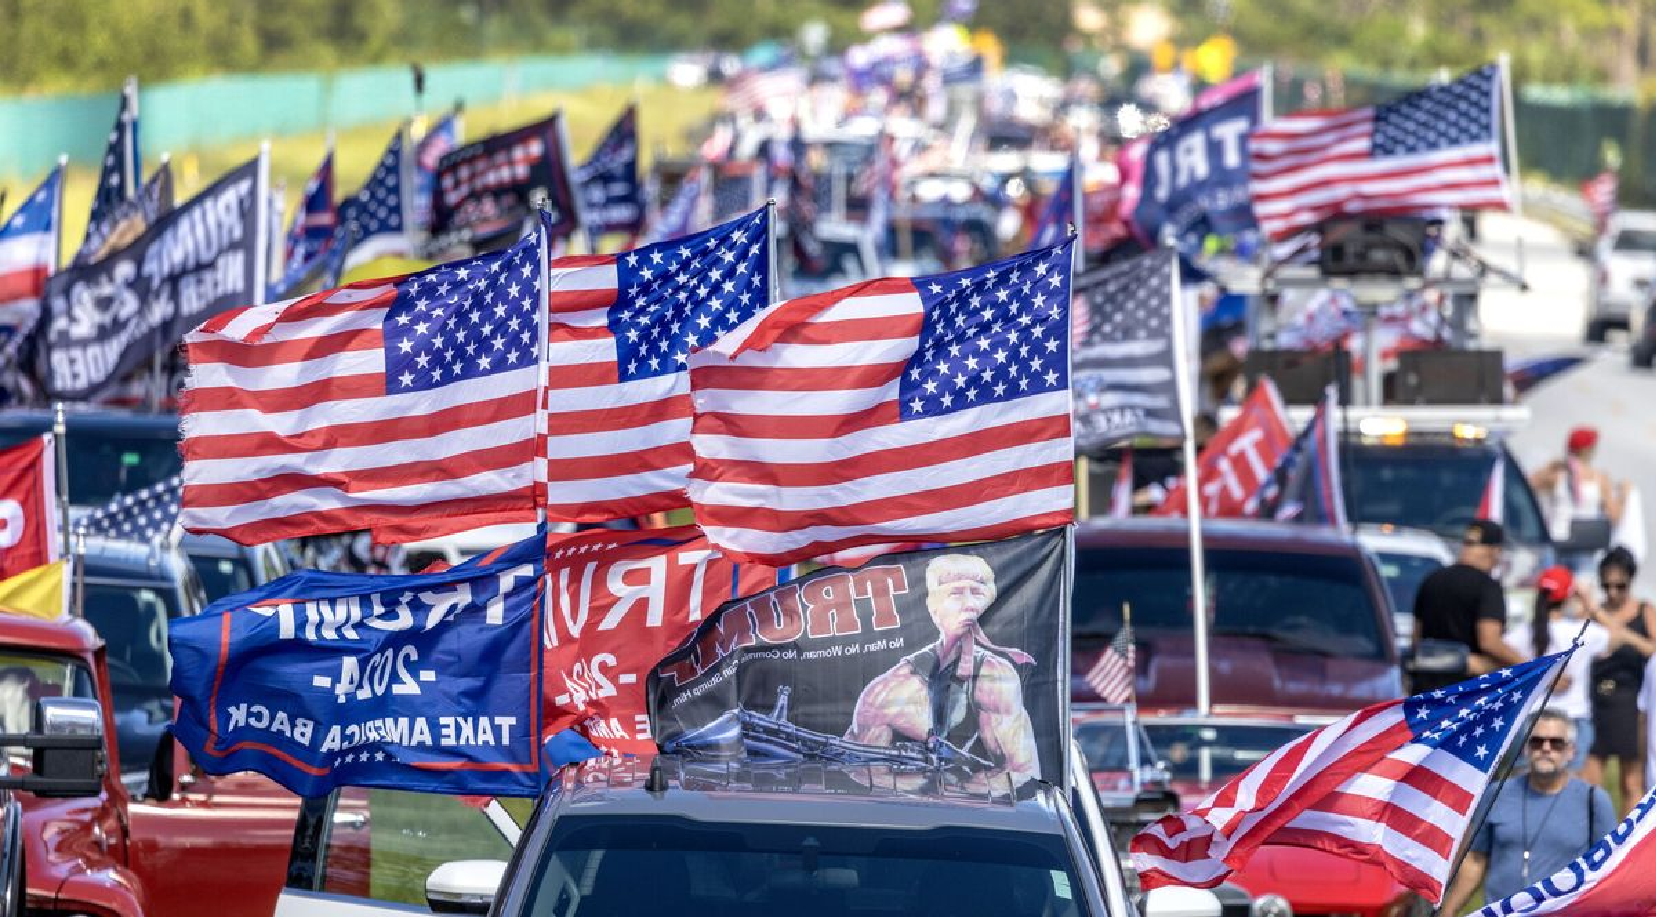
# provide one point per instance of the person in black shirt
(1463, 604)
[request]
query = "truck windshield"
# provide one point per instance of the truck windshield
(1435, 487)
(28, 677)
(1300, 602)
(593, 866)
(132, 619)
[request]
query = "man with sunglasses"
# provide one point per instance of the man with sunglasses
(1537, 823)
(1463, 604)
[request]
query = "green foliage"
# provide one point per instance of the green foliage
(1552, 41)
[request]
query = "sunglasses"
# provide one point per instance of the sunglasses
(1540, 743)
(1613, 586)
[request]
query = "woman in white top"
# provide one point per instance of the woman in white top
(1555, 624)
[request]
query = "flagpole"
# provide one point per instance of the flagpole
(1084, 486)
(60, 448)
(1505, 763)
(129, 167)
(542, 369)
(57, 214)
(1505, 62)
(1078, 213)
(771, 252)
(1131, 715)
(1193, 504)
(1069, 581)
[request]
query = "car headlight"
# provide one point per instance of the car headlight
(1271, 906)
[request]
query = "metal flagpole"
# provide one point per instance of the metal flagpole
(60, 448)
(1078, 213)
(775, 291)
(1506, 761)
(1131, 715)
(129, 170)
(1193, 503)
(1504, 61)
(1069, 581)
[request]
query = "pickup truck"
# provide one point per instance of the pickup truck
(193, 846)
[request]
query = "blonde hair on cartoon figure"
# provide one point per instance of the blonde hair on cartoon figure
(952, 567)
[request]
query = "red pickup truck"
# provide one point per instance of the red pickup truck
(207, 846)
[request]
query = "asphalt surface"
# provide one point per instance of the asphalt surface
(1604, 392)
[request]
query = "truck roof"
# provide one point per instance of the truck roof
(73, 636)
(1226, 534)
(786, 792)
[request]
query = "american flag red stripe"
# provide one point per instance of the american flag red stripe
(1600, 194)
(1395, 784)
(1432, 149)
(618, 442)
(306, 417)
(810, 435)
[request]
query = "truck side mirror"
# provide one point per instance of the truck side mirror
(1177, 901)
(67, 749)
(465, 886)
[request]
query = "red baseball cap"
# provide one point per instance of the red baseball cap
(1582, 438)
(1555, 583)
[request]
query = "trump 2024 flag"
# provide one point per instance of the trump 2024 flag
(1617, 877)
(920, 409)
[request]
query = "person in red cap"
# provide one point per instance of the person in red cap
(1562, 605)
(1572, 488)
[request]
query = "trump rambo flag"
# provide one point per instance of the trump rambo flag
(1394, 784)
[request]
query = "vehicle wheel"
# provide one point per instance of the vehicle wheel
(1596, 331)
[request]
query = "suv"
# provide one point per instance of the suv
(1625, 258)
(1298, 615)
(109, 452)
(1435, 480)
(619, 836)
(226, 568)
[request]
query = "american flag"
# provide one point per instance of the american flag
(124, 222)
(1437, 147)
(1490, 503)
(1059, 211)
(442, 138)
(1112, 674)
(1125, 359)
(621, 329)
(406, 405)
(379, 210)
(933, 408)
(1394, 784)
(118, 174)
(315, 221)
(28, 255)
(145, 515)
(678, 218)
(754, 90)
(1600, 194)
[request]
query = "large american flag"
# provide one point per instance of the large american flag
(1111, 676)
(933, 408)
(1437, 147)
(620, 331)
(1395, 784)
(406, 405)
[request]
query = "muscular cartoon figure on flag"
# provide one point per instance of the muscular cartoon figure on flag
(960, 690)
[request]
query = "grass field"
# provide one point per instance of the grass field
(665, 114)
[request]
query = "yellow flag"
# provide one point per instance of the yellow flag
(38, 593)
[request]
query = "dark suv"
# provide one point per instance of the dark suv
(110, 452)
(1299, 617)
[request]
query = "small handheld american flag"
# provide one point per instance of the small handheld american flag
(145, 515)
(1112, 675)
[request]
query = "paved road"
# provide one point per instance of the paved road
(1605, 392)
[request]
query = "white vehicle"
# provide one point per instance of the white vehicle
(1625, 259)
(452, 549)
(1404, 557)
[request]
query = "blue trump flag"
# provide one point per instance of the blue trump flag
(1196, 177)
(319, 680)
